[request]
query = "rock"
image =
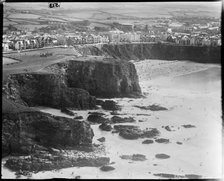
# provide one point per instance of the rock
(78, 117)
(117, 119)
(40, 164)
(96, 113)
(138, 157)
(106, 168)
(152, 107)
(121, 127)
(193, 176)
(99, 102)
(105, 127)
(24, 129)
(110, 105)
(134, 157)
(91, 161)
(130, 134)
(147, 142)
(162, 156)
(114, 113)
(166, 175)
(133, 132)
(179, 143)
(102, 139)
(143, 114)
(126, 157)
(188, 126)
(47, 89)
(168, 128)
(115, 131)
(95, 118)
(66, 111)
(150, 133)
(162, 140)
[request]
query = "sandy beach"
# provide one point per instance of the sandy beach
(192, 94)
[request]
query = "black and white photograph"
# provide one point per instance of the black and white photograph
(112, 90)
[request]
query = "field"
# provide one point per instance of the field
(23, 16)
(31, 61)
(110, 12)
(8, 60)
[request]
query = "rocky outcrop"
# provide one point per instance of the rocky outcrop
(70, 84)
(162, 51)
(46, 89)
(24, 128)
(133, 132)
(106, 78)
(110, 105)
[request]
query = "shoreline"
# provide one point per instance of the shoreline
(189, 158)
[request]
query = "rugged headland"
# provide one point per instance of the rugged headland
(67, 85)
(162, 51)
(76, 84)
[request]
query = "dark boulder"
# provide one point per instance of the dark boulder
(130, 133)
(96, 113)
(188, 126)
(168, 128)
(105, 127)
(150, 133)
(122, 127)
(153, 107)
(162, 140)
(99, 102)
(162, 156)
(134, 157)
(133, 132)
(106, 168)
(147, 142)
(78, 117)
(102, 139)
(95, 118)
(110, 105)
(179, 143)
(117, 119)
(115, 113)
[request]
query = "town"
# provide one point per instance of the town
(164, 31)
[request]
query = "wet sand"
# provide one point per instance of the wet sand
(192, 94)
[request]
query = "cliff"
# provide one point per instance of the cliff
(46, 89)
(137, 51)
(24, 127)
(108, 78)
(73, 83)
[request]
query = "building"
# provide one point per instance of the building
(19, 45)
(206, 41)
(184, 40)
(5, 45)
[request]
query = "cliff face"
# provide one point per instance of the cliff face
(24, 127)
(104, 79)
(71, 84)
(48, 89)
(160, 51)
